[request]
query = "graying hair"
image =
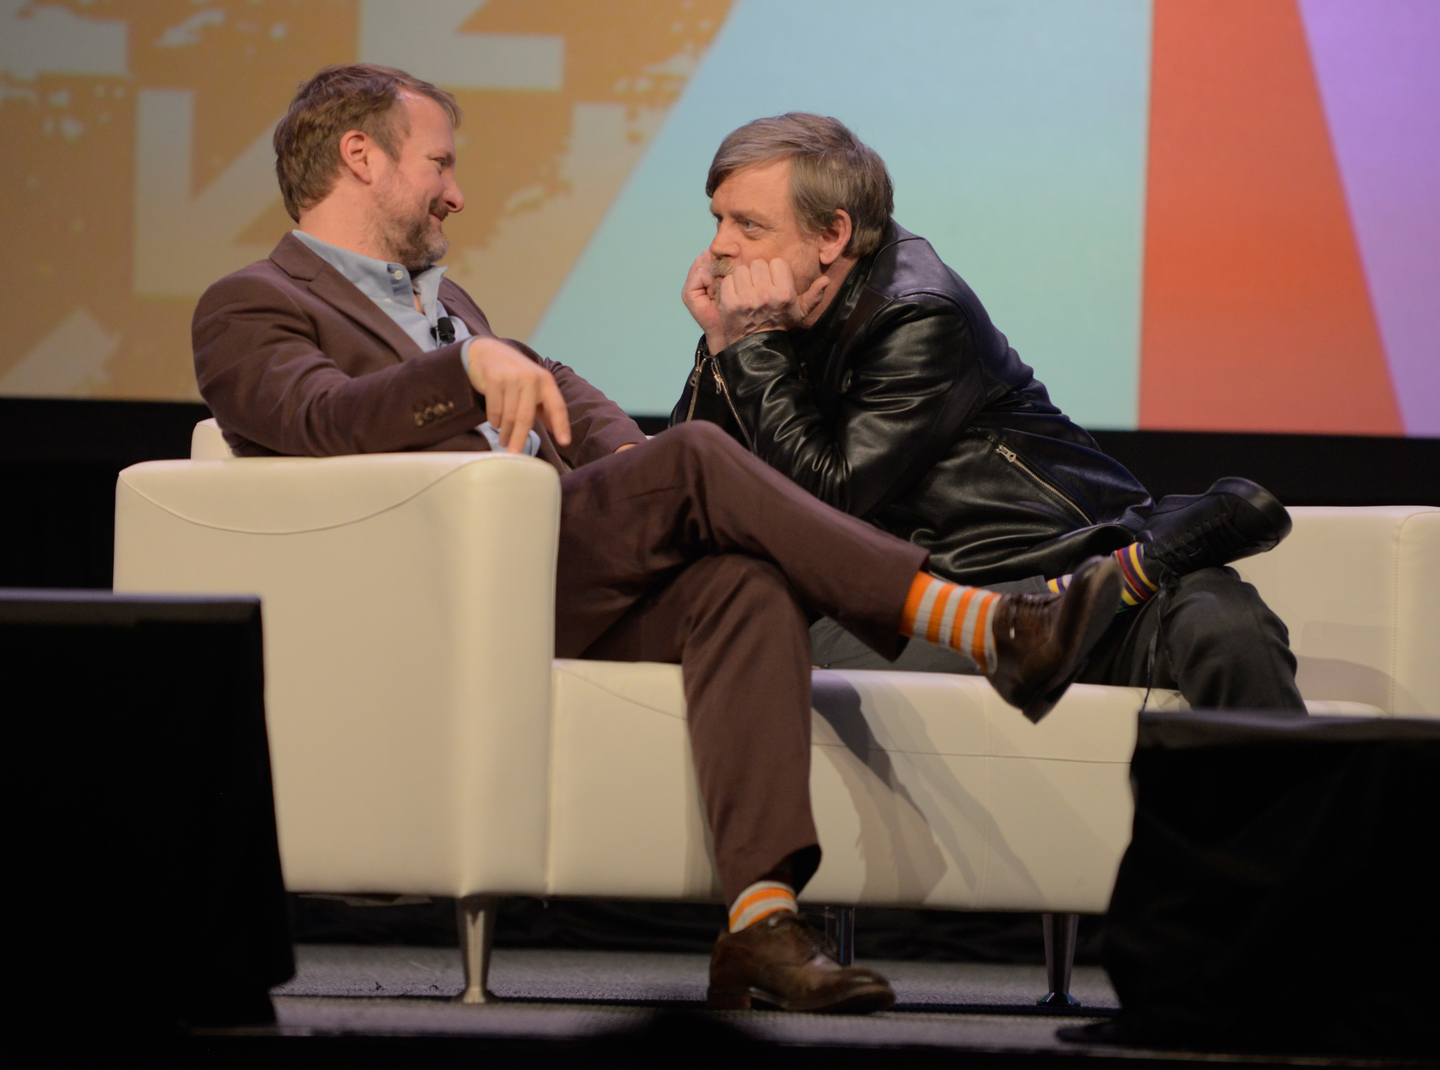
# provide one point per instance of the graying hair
(831, 169)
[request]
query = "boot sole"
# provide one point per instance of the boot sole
(1104, 602)
(1273, 514)
(1259, 499)
(865, 1000)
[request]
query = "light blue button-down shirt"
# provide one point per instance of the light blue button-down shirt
(393, 289)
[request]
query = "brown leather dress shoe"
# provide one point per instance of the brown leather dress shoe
(1043, 640)
(782, 962)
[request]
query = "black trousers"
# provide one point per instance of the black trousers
(1214, 640)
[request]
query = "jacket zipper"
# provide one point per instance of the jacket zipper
(694, 387)
(701, 359)
(1014, 458)
(720, 382)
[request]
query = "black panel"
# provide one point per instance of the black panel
(59, 460)
(1277, 891)
(108, 433)
(627, 925)
(1298, 469)
(142, 813)
(58, 463)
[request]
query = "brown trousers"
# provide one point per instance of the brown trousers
(687, 549)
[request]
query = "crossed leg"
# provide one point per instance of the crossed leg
(689, 549)
(739, 633)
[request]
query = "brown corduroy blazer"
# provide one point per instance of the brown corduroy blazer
(293, 359)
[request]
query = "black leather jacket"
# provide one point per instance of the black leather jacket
(904, 405)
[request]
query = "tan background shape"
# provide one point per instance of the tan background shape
(138, 168)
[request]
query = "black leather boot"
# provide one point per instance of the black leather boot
(1235, 518)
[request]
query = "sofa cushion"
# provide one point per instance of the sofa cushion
(1359, 590)
(928, 791)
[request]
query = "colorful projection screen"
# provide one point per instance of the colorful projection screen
(1186, 214)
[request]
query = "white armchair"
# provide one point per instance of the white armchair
(425, 741)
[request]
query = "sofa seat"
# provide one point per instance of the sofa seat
(928, 791)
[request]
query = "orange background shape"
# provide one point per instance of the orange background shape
(1255, 312)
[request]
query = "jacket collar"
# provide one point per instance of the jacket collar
(302, 264)
(821, 338)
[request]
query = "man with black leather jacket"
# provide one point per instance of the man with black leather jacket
(842, 351)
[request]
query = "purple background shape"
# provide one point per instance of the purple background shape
(1378, 66)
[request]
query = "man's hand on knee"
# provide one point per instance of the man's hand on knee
(516, 391)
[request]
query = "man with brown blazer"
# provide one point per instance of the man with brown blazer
(685, 549)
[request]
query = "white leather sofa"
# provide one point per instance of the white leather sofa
(426, 742)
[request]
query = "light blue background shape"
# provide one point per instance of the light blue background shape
(1015, 133)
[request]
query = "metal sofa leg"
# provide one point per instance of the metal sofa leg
(1060, 931)
(840, 930)
(475, 915)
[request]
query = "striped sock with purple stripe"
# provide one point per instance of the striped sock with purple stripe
(1136, 586)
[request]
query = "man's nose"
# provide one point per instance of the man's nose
(724, 243)
(454, 199)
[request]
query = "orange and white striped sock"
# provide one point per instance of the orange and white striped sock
(760, 900)
(948, 614)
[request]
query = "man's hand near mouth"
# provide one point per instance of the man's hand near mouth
(731, 300)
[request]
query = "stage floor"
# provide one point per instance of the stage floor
(407, 991)
(387, 1006)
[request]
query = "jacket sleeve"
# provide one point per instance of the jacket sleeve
(598, 427)
(913, 381)
(261, 370)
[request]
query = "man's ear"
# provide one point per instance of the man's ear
(357, 151)
(835, 237)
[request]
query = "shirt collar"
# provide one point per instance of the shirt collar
(381, 281)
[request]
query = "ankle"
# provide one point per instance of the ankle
(953, 615)
(1138, 581)
(759, 901)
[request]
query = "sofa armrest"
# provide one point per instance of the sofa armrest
(207, 442)
(409, 631)
(1359, 589)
